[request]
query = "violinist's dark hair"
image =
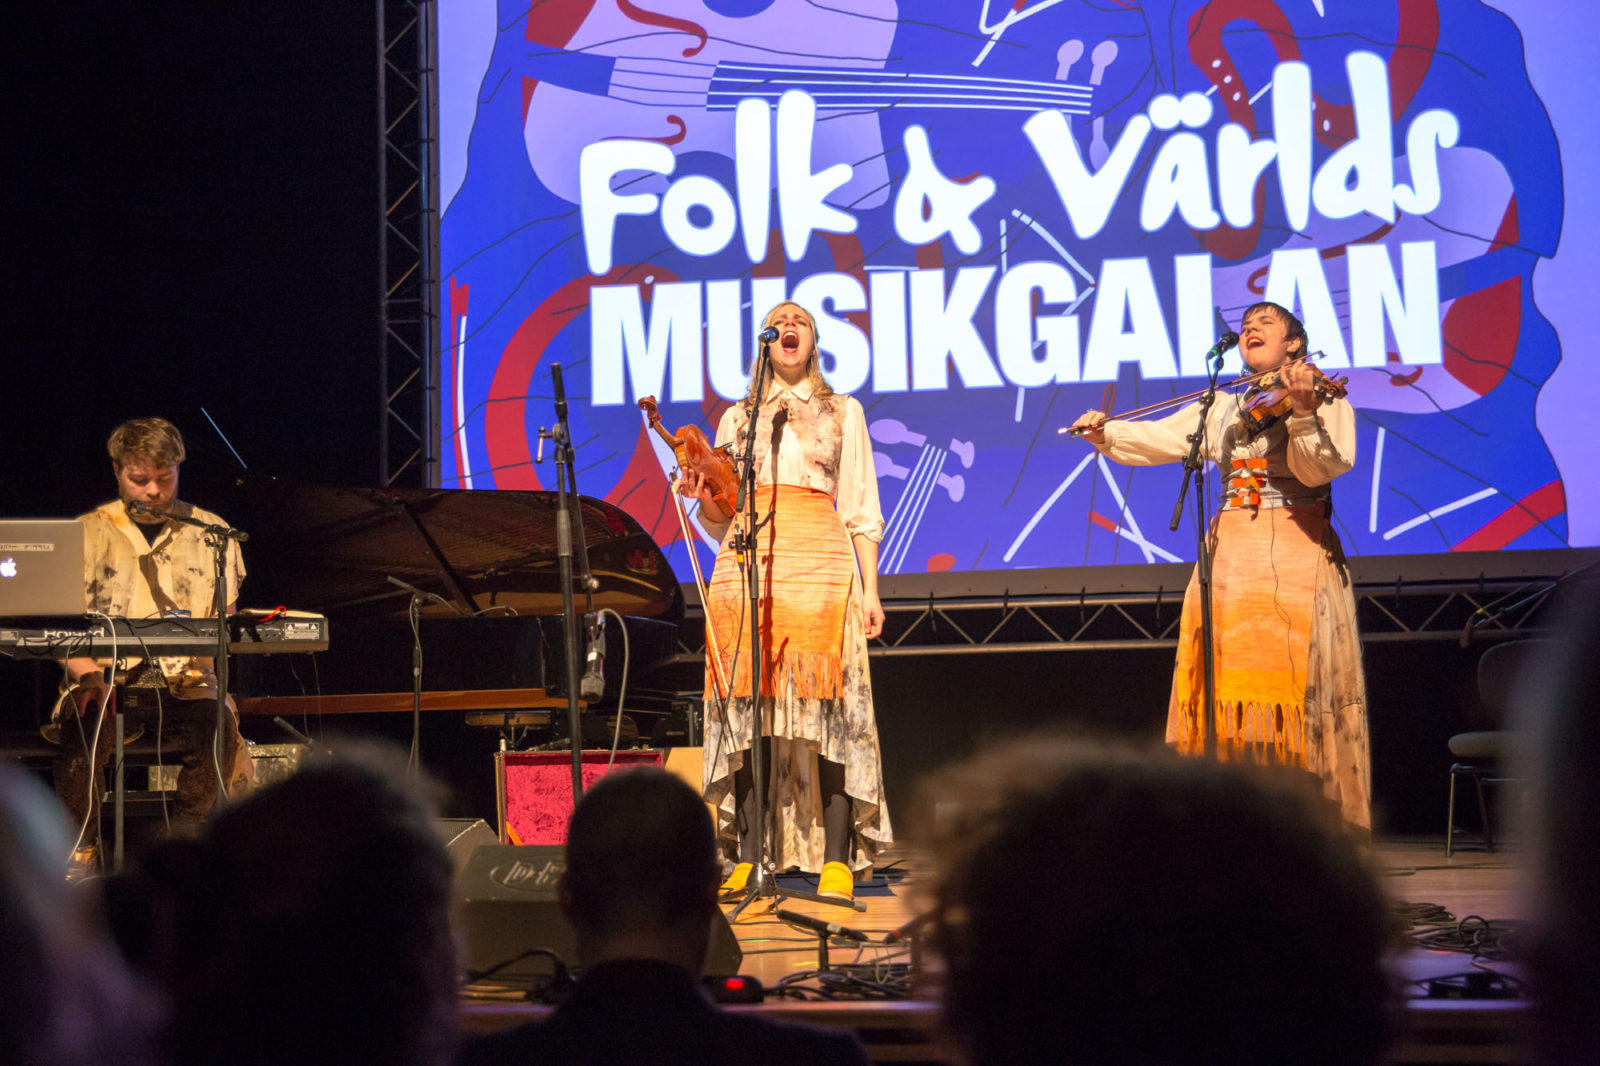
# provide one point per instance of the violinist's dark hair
(1291, 323)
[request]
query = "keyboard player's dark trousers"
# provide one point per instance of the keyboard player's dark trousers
(184, 729)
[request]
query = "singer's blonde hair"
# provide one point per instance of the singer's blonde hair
(819, 384)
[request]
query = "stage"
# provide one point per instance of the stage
(1413, 871)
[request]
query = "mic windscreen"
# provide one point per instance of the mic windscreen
(1229, 339)
(768, 335)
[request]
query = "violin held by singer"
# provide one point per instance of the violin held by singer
(694, 452)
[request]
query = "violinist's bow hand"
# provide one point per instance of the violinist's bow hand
(690, 483)
(1091, 426)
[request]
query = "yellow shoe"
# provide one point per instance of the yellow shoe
(85, 863)
(837, 881)
(739, 878)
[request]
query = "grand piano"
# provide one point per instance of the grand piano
(490, 554)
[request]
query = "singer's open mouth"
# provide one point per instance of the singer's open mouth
(790, 340)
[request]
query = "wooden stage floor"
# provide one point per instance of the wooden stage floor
(1471, 882)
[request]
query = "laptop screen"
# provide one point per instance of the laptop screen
(41, 568)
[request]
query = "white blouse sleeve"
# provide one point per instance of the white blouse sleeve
(1152, 441)
(726, 429)
(858, 478)
(1322, 445)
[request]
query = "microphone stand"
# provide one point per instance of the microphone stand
(414, 615)
(763, 882)
(217, 538)
(568, 519)
(1194, 465)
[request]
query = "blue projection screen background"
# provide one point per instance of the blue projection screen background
(1005, 214)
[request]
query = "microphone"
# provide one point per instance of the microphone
(144, 508)
(907, 931)
(301, 738)
(1472, 624)
(768, 335)
(561, 391)
(1228, 340)
(593, 684)
(423, 594)
(817, 925)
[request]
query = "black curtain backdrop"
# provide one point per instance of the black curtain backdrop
(190, 223)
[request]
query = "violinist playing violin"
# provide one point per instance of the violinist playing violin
(818, 564)
(1288, 675)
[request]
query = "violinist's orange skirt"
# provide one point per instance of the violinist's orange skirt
(1264, 572)
(1290, 688)
(805, 563)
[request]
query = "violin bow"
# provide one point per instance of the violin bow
(713, 647)
(1178, 401)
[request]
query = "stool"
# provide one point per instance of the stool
(1480, 754)
(1484, 750)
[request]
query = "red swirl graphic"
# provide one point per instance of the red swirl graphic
(651, 18)
(667, 139)
(1416, 34)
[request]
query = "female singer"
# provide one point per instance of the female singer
(817, 495)
(1289, 684)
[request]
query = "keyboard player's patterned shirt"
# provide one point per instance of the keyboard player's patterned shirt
(125, 575)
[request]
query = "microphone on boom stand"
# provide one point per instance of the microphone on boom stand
(1228, 340)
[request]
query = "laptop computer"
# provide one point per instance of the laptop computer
(41, 568)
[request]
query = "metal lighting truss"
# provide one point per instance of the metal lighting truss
(1132, 620)
(408, 243)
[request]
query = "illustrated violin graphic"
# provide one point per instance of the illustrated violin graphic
(695, 452)
(1267, 401)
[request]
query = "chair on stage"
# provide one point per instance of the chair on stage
(1482, 755)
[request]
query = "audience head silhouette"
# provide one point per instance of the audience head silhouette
(1560, 740)
(640, 890)
(1101, 904)
(65, 994)
(310, 923)
(642, 870)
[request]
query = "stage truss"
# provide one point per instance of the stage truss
(408, 243)
(1484, 609)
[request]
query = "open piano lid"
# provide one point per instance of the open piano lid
(331, 550)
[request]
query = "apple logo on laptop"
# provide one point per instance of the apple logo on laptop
(8, 567)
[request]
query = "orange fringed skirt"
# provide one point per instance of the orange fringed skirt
(1289, 684)
(806, 564)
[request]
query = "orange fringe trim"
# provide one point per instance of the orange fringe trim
(1260, 732)
(813, 674)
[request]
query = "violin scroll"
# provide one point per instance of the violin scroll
(694, 452)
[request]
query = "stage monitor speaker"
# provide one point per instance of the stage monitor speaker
(463, 836)
(509, 906)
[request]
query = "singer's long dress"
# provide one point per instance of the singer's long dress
(1289, 682)
(820, 490)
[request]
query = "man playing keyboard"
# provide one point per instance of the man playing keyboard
(138, 565)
